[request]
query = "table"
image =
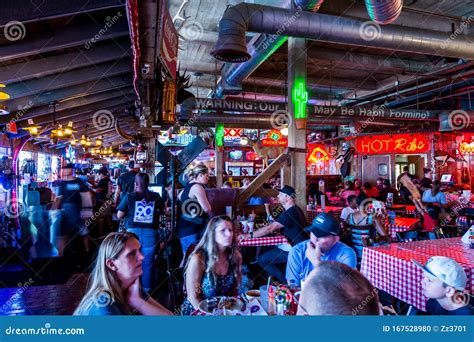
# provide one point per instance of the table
(409, 209)
(312, 213)
(402, 224)
(263, 241)
(389, 267)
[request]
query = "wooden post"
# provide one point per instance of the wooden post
(297, 58)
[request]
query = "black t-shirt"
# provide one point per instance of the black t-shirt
(70, 190)
(403, 188)
(141, 213)
(126, 182)
(434, 308)
(294, 223)
(104, 185)
(425, 183)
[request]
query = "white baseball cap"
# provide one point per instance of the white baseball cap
(445, 269)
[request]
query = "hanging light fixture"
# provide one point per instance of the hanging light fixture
(99, 141)
(69, 130)
(32, 128)
(3, 95)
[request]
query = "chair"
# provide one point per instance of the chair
(452, 231)
(427, 235)
(409, 235)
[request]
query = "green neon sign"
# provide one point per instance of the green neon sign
(220, 135)
(300, 98)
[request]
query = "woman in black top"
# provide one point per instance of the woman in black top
(194, 207)
(141, 212)
(70, 202)
(102, 209)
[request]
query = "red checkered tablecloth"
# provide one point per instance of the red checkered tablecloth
(263, 241)
(389, 267)
(312, 213)
(402, 224)
(410, 210)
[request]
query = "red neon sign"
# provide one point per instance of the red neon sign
(275, 138)
(317, 154)
(397, 143)
(232, 132)
(251, 156)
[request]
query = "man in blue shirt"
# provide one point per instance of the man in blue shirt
(323, 245)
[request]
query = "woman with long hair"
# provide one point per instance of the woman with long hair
(215, 266)
(141, 212)
(114, 285)
(194, 207)
(362, 217)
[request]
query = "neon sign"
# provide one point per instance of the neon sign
(398, 143)
(300, 98)
(251, 156)
(317, 155)
(275, 138)
(220, 135)
(232, 132)
(465, 147)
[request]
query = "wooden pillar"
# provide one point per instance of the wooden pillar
(297, 58)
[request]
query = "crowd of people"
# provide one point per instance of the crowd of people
(124, 272)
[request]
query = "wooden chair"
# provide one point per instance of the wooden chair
(409, 235)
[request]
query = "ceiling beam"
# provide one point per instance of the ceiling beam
(28, 10)
(63, 38)
(88, 88)
(69, 79)
(71, 104)
(112, 104)
(81, 58)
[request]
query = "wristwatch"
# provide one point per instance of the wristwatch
(251, 235)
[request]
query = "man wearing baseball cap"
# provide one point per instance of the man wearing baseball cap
(323, 245)
(444, 283)
(291, 224)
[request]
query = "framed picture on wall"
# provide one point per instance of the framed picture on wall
(383, 169)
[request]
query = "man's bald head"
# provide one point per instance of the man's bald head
(333, 288)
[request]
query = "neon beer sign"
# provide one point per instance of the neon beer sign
(397, 143)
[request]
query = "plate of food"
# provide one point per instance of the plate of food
(211, 305)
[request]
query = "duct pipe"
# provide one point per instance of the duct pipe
(268, 121)
(237, 20)
(384, 11)
(261, 48)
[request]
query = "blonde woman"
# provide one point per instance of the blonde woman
(194, 207)
(114, 285)
(215, 266)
